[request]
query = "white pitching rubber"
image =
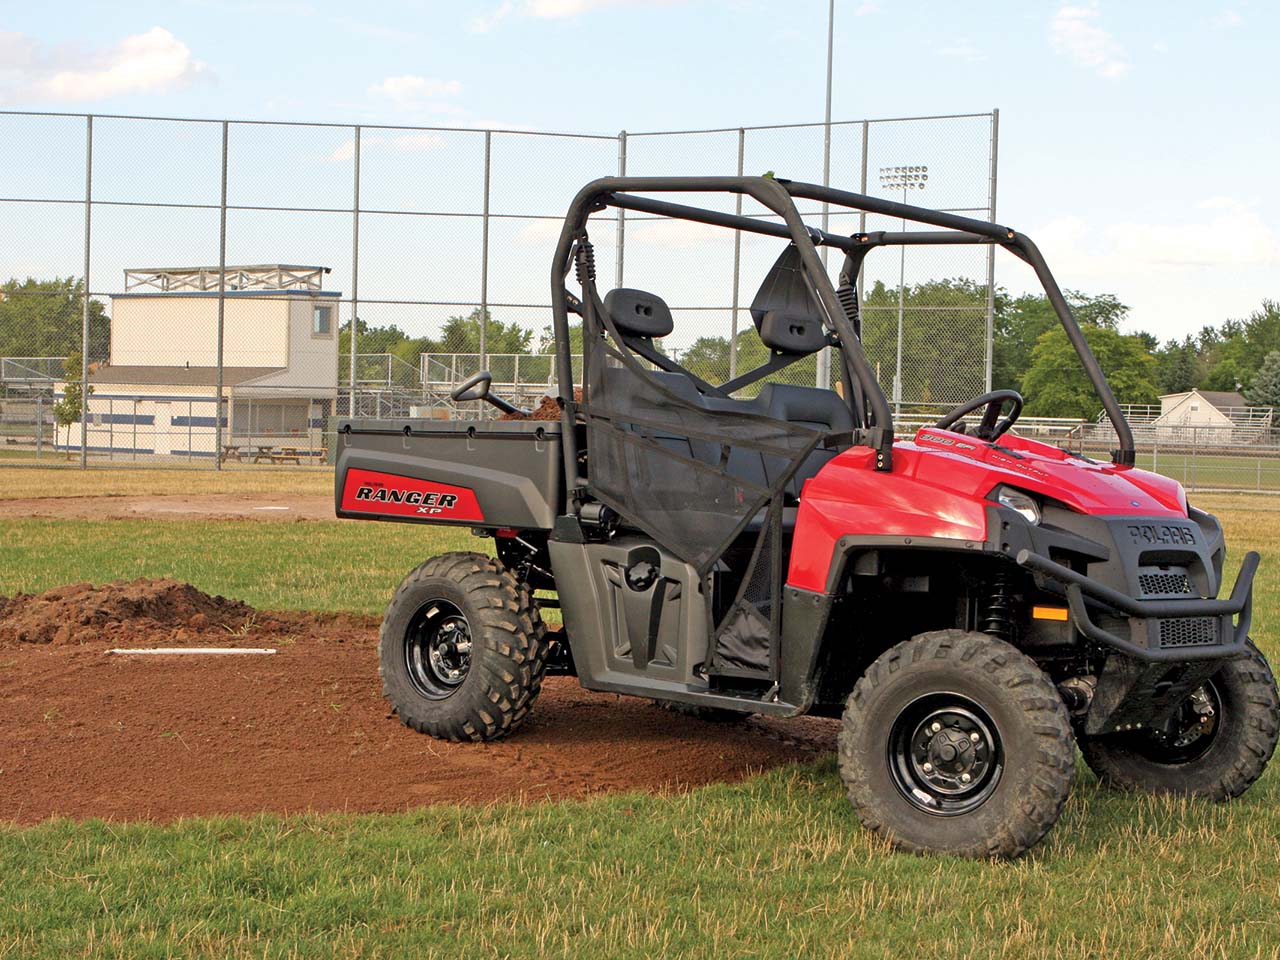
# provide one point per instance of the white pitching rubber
(185, 651)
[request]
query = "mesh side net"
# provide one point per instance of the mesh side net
(690, 477)
(693, 472)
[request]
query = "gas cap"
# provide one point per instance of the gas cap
(641, 575)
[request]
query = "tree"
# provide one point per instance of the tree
(943, 337)
(68, 410)
(1178, 366)
(1056, 384)
(43, 318)
(708, 358)
(1021, 321)
(462, 335)
(1265, 388)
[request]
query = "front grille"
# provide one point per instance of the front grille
(1163, 581)
(1191, 632)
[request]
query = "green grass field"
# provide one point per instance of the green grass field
(774, 867)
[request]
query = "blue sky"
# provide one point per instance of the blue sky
(1137, 140)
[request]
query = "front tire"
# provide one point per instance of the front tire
(955, 742)
(1215, 747)
(462, 649)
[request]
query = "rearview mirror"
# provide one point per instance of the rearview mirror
(473, 388)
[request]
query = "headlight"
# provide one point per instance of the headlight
(1020, 503)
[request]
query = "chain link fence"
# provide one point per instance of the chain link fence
(196, 292)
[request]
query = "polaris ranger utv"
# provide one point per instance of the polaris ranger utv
(972, 603)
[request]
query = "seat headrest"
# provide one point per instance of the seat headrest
(638, 314)
(785, 313)
(788, 333)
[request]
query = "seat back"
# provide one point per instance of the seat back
(809, 407)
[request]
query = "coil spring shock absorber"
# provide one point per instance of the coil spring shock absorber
(847, 294)
(585, 261)
(997, 616)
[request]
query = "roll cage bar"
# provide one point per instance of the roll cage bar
(872, 413)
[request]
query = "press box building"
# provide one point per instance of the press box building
(157, 392)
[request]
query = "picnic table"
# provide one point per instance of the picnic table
(259, 452)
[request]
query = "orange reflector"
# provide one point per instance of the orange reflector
(1049, 613)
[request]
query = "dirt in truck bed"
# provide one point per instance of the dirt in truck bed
(88, 734)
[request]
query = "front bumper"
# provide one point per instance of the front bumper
(1232, 615)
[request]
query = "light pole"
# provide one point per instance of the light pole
(904, 178)
(824, 356)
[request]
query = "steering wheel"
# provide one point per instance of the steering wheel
(988, 429)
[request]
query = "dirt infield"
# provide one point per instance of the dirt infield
(210, 506)
(88, 734)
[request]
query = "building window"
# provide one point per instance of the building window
(321, 321)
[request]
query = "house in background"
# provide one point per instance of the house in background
(1225, 411)
(158, 391)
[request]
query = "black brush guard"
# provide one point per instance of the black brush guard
(1080, 589)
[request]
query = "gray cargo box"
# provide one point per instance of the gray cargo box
(477, 473)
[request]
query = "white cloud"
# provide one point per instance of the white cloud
(555, 10)
(867, 8)
(1074, 32)
(540, 233)
(1073, 247)
(674, 234)
(962, 49)
(410, 92)
(402, 143)
(1177, 276)
(145, 63)
(1228, 18)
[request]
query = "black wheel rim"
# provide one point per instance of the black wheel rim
(437, 649)
(1189, 734)
(945, 754)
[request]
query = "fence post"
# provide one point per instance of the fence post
(862, 214)
(824, 355)
(355, 277)
(1191, 464)
(991, 250)
(484, 261)
(620, 247)
(84, 317)
(222, 305)
(39, 425)
(737, 264)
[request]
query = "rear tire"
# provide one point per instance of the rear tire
(955, 742)
(1215, 747)
(462, 649)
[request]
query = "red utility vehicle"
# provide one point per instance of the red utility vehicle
(973, 604)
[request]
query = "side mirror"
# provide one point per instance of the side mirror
(477, 388)
(473, 388)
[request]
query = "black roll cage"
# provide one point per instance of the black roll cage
(871, 409)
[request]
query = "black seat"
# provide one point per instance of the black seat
(809, 407)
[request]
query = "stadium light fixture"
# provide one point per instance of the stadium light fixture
(907, 178)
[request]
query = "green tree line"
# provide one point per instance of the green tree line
(943, 331)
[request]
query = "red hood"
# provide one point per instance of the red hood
(958, 462)
(938, 489)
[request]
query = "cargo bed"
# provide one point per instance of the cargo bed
(476, 473)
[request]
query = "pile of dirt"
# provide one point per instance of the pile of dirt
(548, 409)
(119, 612)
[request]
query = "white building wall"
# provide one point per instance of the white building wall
(176, 331)
(312, 358)
(145, 419)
